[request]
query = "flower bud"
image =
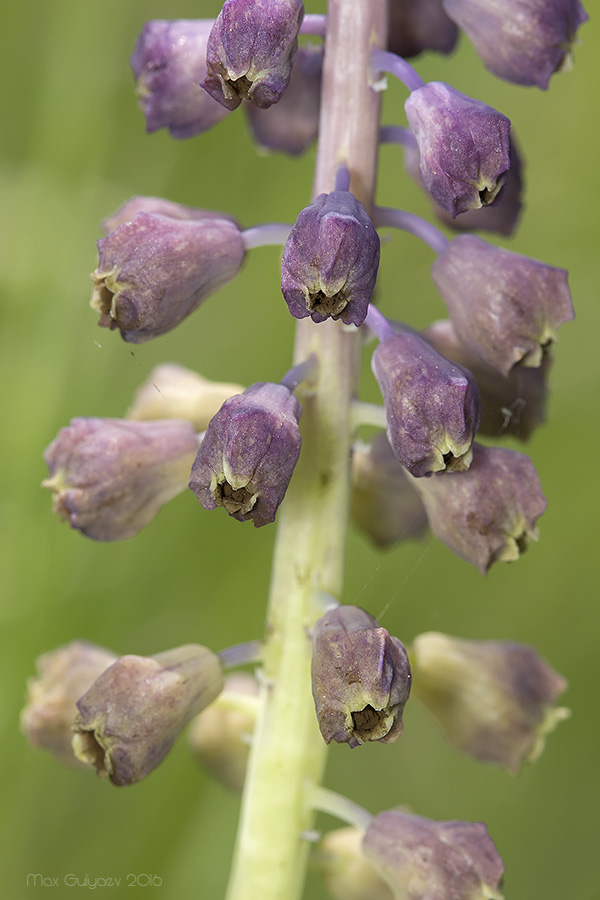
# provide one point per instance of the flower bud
(505, 308)
(347, 873)
(169, 62)
(431, 405)
(155, 270)
(360, 678)
(422, 859)
(494, 700)
(416, 25)
(384, 504)
(522, 41)
(500, 216)
(463, 146)
(487, 514)
(220, 736)
(292, 124)
(251, 50)
(110, 477)
(63, 675)
(330, 260)
(132, 714)
(248, 454)
(173, 392)
(515, 405)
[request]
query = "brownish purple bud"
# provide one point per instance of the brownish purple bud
(522, 41)
(463, 146)
(487, 514)
(501, 216)
(422, 859)
(291, 125)
(63, 675)
(133, 713)
(330, 261)
(345, 870)
(431, 404)
(169, 62)
(505, 308)
(248, 454)
(251, 50)
(360, 678)
(494, 700)
(417, 25)
(515, 405)
(173, 392)
(384, 504)
(156, 269)
(110, 477)
(221, 735)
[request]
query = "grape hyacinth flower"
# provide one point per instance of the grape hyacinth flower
(512, 405)
(504, 307)
(463, 146)
(360, 678)
(169, 62)
(251, 50)
(522, 41)
(64, 675)
(133, 713)
(173, 392)
(488, 513)
(330, 260)
(155, 270)
(432, 405)
(109, 477)
(422, 859)
(248, 454)
(384, 505)
(292, 124)
(159, 261)
(417, 25)
(495, 700)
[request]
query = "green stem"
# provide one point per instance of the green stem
(288, 752)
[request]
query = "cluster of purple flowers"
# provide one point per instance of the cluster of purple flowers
(480, 372)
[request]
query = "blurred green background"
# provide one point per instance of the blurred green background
(73, 148)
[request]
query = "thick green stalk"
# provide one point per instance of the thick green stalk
(288, 752)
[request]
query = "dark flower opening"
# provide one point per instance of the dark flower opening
(327, 306)
(234, 501)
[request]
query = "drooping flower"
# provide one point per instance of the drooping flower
(173, 392)
(248, 454)
(63, 676)
(487, 514)
(421, 859)
(169, 62)
(495, 700)
(505, 308)
(417, 25)
(110, 477)
(384, 505)
(463, 146)
(134, 712)
(522, 41)
(360, 678)
(330, 261)
(432, 405)
(513, 405)
(155, 270)
(251, 50)
(291, 125)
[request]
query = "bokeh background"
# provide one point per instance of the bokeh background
(73, 148)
